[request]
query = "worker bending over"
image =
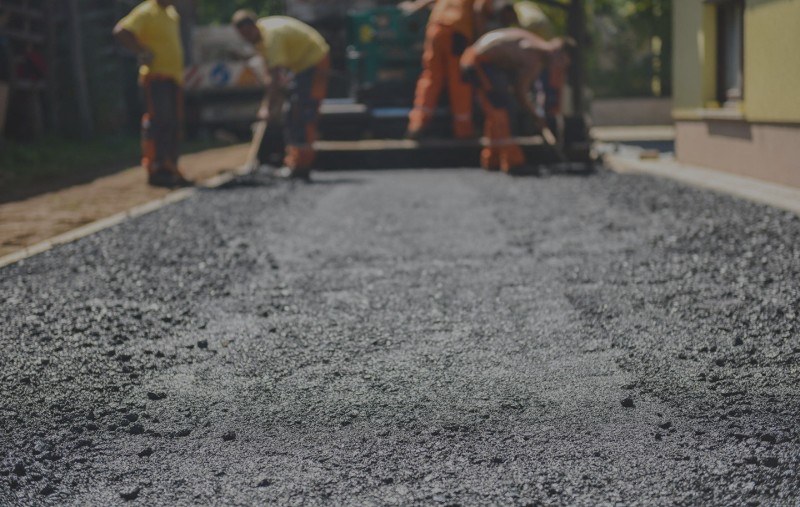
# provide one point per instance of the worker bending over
(498, 62)
(529, 16)
(452, 27)
(152, 32)
(298, 64)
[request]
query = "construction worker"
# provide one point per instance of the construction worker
(452, 27)
(152, 32)
(298, 63)
(529, 16)
(498, 62)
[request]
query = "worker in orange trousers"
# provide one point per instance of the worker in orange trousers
(152, 32)
(452, 27)
(498, 62)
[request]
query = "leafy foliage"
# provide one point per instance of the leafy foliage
(632, 50)
(216, 11)
(630, 55)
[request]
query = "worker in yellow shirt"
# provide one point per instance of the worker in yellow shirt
(152, 32)
(298, 63)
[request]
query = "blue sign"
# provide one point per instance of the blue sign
(220, 75)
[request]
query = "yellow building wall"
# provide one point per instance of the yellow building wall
(772, 60)
(688, 56)
(694, 57)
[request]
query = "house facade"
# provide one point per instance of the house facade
(736, 90)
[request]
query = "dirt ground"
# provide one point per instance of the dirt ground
(30, 221)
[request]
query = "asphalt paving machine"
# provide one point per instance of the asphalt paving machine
(376, 54)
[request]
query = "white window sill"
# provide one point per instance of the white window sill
(725, 114)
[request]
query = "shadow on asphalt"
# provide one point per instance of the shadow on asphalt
(337, 181)
(266, 180)
(661, 146)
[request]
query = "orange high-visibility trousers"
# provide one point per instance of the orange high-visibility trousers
(440, 61)
(161, 124)
(502, 151)
(306, 93)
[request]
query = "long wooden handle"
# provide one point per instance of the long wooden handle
(255, 145)
(550, 140)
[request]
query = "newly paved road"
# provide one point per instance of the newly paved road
(411, 338)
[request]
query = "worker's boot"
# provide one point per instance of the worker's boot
(415, 134)
(523, 170)
(161, 178)
(179, 180)
(288, 173)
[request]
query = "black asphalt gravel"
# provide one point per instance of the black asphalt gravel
(411, 338)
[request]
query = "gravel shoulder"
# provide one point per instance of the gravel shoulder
(35, 219)
(410, 338)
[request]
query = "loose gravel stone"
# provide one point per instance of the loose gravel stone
(130, 494)
(770, 462)
(20, 470)
(472, 330)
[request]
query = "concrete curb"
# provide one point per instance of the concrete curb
(772, 194)
(105, 223)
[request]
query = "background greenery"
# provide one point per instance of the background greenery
(217, 11)
(631, 53)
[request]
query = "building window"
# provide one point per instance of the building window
(730, 52)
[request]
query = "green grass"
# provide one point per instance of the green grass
(29, 163)
(23, 166)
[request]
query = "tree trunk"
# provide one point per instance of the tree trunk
(52, 65)
(576, 27)
(187, 10)
(85, 122)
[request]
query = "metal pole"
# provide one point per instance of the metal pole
(79, 71)
(52, 66)
(576, 26)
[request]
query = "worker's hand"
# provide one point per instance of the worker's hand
(276, 111)
(263, 112)
(145, 57)
(407, 7)
(539, 122)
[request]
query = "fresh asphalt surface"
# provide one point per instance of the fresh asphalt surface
(411, 338)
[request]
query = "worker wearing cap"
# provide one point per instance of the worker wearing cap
(452, 27)
(499, 62)
(297, 58)
(152, 32)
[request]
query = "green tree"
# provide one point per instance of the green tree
(632, 50)
(215, 11)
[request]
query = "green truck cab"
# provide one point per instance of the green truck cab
(384, 54)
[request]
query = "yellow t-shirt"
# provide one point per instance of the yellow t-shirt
(288, 42)
(158, 29)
